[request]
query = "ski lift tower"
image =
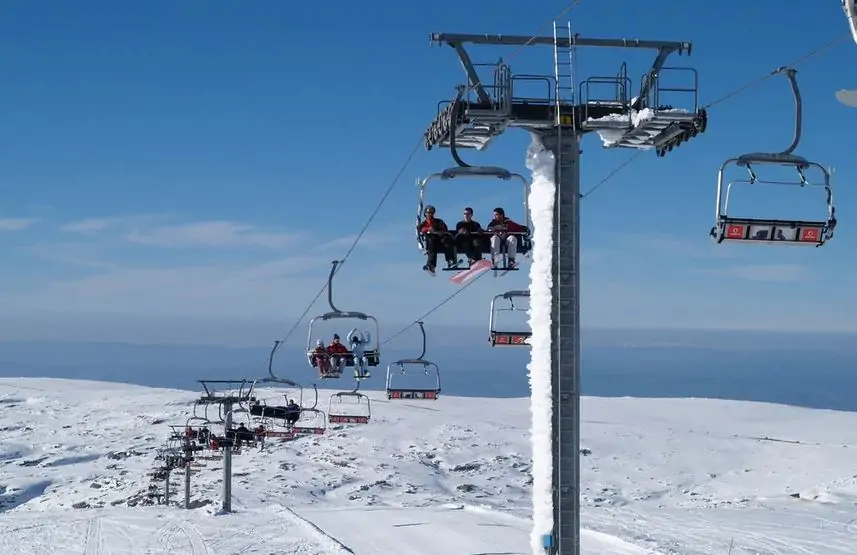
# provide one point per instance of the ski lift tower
(235, 392)
(560, 116)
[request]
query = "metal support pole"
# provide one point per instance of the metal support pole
(565, 341)
(167, 488)
(227, 459)
(187, 480)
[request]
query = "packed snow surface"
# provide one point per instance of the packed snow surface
(452, 477)
(540, 162)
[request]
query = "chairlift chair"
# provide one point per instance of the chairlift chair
(276, 416)
(312, 421)
(273, 419)
(408, 369)
(349, 407)
(524, 244)
(372, 356)
(771, 231)
(500, 335)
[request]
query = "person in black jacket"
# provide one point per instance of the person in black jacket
(468, 237)
(437, 238)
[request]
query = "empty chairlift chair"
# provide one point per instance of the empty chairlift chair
(502, 335)
(775, 231)
(414, 378)
(349, 407)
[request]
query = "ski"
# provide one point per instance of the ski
(471, 273)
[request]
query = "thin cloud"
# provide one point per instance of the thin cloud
(87, 255)
(89, 226)
(782, 273)
(92, 225)
(269, 289)
(369, 239)
(674, 245)
(17, 224)
(217, 233)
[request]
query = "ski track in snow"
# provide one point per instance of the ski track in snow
(659, 477)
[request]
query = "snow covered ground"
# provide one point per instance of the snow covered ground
(660, 476)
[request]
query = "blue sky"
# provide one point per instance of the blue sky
(189, 172)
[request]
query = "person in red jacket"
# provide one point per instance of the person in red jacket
(322, 358)
(437, 238)
(500, 227)
(337, 350)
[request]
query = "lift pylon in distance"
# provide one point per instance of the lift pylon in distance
(318, 354)
(504, 334)
(349, 407)
(477, 243)
(559, 110)
(776, 231)
(414, 378)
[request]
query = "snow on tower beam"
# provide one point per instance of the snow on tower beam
(472, 121)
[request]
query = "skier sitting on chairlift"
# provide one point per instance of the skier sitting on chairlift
(259, 436)
(293, 412)
(336, 350)
(243, 435)
(358, 343)
(321, 357)
(468, 237)
(215, 443)
(500, 226)
(202, 436)
(437, 238)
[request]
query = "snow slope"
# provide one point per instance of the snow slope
(660, 476)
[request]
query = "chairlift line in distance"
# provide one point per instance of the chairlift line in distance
(774, 231)
(499, 336)
(371, 356)
(411, 367)
(524, 244)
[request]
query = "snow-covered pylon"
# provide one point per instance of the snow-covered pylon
(845, 96)
(540, 162)
(851, 14)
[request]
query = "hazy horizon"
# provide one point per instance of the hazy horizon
(814, 370)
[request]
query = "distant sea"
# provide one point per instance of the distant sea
(815, 372)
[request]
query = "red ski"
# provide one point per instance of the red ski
(471, 273)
